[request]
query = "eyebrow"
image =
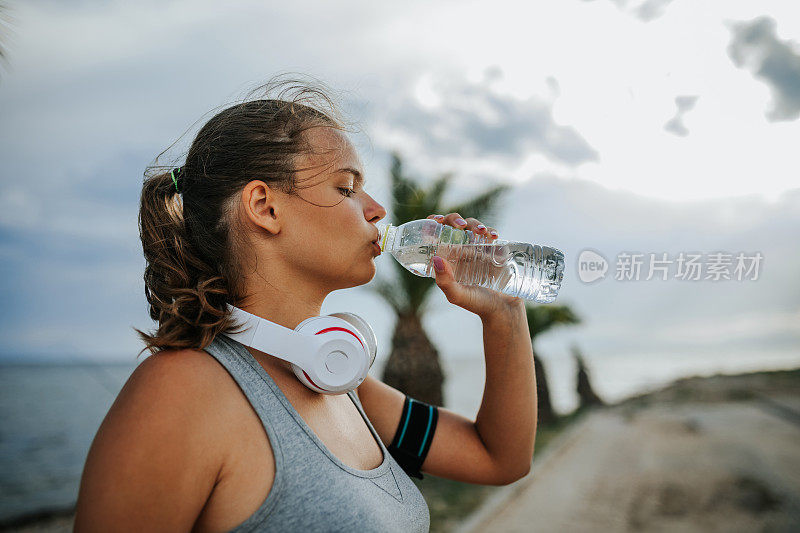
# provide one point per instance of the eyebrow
(355, 173)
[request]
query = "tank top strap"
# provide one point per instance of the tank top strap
(376, 436)
(260, 390)
(312, 486)
(276, 413)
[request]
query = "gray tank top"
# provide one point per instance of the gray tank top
(313, 490)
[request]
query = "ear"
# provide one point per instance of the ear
(262, 206)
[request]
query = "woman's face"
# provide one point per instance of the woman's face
(332, 219)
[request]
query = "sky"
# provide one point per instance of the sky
(654, 127)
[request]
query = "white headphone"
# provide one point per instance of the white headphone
(330, 354)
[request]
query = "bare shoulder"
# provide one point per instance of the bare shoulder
(177, 372)
(159, 446)
(187, 386)
(189, 389)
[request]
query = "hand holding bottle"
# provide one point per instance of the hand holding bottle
(474, 298)
(478, 260)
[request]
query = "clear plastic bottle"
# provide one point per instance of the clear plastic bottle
(529, 271)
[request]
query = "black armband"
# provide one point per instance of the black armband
(414, 435)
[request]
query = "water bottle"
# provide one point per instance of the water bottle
(529, 271)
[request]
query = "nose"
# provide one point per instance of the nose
(374, 211)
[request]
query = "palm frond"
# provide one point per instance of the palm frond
(5, 30)
(433, 198)
(544, 317)
(485, 206)
(410, 201)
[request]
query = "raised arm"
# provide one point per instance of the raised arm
(507, 416)
(497, 447)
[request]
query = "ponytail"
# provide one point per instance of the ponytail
(186, 296)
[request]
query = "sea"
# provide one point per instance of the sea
(49, 413)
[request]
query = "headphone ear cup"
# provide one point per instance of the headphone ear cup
(299, 372)
(301, 375)
(365, 329)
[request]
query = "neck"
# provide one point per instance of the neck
(288, 310)
(281, 294)
(286, 303)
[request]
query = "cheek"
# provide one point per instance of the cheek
(329, 243)
(329, 254)
(346, 227)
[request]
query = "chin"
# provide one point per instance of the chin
(368, 274)
(357, 275)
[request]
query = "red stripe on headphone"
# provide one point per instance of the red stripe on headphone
(325, 331)
(312, 381)
(341, 329)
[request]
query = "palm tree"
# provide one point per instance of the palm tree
(5, 30)
(540, 319)
(586, 393)
(3, 27)
(413, 366)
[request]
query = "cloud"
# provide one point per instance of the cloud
(648, 316)
(81, 121)
(745, 325)
(755, 46)
(645, 10)
(650, 9)
(684, 104)
(462, 119)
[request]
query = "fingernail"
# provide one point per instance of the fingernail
(460, 221)
(494, 233)
(438, 217)
(438, 263)
(481, 226)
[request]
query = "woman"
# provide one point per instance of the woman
(269, 214)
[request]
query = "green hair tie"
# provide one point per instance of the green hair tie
(174, 180)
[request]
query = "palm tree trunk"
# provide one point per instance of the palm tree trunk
(413, 366)
(545, 408)
(586, 392)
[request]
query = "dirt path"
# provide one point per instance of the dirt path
(691, 466)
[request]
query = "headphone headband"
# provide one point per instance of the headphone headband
(329, 354)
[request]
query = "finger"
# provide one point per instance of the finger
(445, 279)
(474, 225)
(452, 219)
(437, 218)
(471, 224)
(455, 220)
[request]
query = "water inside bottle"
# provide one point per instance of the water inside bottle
(508, 267)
